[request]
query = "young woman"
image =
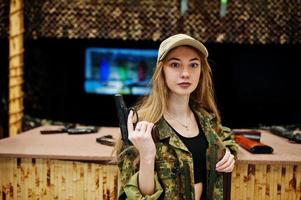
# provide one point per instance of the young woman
(193, 149)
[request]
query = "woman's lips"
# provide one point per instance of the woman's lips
(184, 84)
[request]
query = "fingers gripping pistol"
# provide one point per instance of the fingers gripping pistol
(122, 112)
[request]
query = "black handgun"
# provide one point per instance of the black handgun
(70, 129)
(123, 112)
(58, 130)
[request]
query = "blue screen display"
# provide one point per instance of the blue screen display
(116, 70)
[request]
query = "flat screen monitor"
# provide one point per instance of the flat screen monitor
(119, 70)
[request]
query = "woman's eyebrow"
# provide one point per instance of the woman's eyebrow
(177, 59)
(173, 58)
(193, 59)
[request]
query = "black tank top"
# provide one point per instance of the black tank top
(197, 146)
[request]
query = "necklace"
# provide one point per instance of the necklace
(184, 125)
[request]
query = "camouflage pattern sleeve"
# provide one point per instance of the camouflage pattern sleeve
(227, 138)
(129, 171)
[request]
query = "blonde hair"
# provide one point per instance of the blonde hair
(152, 107)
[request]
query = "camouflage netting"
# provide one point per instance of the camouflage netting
(270, 21)
(256, 21)
(136, 20)
(4, 9)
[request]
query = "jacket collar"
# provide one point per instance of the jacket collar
(206, 121)
(166, 132)
(202, 113)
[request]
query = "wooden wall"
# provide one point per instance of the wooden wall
(57, 179)
(266, 182)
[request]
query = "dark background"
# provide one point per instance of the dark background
(3, 87)
(255, 84)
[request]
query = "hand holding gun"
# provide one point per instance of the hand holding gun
(123, 112)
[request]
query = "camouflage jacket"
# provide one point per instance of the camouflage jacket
(174, 177)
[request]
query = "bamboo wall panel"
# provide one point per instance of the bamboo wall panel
(16, 54)
(57, 179)
(266, 182)
(270, 21)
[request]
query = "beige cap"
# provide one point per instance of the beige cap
(180, 40)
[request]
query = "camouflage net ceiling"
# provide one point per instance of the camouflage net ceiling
(256, 21)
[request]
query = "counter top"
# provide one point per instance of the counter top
(285, 152)
(32, 144)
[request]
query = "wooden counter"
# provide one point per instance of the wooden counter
(62, 166)
(285, 152)
(268, 176)
(33, 144)
(57, 166)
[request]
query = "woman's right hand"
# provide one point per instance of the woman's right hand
(141, 137)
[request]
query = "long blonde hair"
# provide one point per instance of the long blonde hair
(152, 107)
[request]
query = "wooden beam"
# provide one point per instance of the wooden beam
(16, 63)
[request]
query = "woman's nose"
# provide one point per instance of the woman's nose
(185, 73)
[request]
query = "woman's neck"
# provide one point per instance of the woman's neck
(179, 115)
(178, 106)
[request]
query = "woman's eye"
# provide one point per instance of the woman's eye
(194, 65)
(174, 65)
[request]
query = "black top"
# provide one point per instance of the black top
(197, 146)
